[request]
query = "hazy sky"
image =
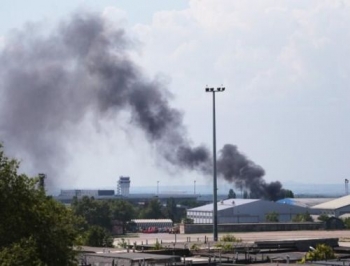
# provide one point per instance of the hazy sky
(285, 66)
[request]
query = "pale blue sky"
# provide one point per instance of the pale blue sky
(285, 65)
(15, 13)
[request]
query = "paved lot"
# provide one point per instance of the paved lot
(248, 237)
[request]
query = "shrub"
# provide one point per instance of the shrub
(323, 217)
(225, 246)
(321, 252)
(272, 217)
(122, 243)
(157, 246)
(194, 247)
(97, 236)
(230, 238)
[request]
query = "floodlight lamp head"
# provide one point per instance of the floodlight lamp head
(207, 89)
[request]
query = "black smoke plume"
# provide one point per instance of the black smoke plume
(50, 83)
(236, 168)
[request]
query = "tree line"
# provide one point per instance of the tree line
(35, 229)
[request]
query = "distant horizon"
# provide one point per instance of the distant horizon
(332, 189)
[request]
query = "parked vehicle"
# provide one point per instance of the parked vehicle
(150, 230)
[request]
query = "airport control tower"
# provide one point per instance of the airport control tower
(123, 186)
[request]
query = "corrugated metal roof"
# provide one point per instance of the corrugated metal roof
(304, 202)
(224, 204)
(334, 204)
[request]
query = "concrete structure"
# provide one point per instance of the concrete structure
(244, 211)
(123, 187)
(336, 207)
(250, 227)
(66, 196)
(70, 193)
(126, 259)
(159, 223)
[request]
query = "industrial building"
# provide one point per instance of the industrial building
(244, 211)
(159, 223)
(123, 192)
(336, 207)
(70, 193)
(304, 202)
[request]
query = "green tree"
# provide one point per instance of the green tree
(173, 211)
(23, 252)
(245, 194)
(321, 252)
(97, 236)
(347, 222)
(323, 217)
(152, 210)
(95, 212)
(272, 217)
(33, 227)
(189, 203)
(122, 211)
(187, 221)
(302, 217)
(288, 194)
(231, 194)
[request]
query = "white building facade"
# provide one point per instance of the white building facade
(123, 187)
(244, 211)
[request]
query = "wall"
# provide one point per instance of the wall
(249, 227)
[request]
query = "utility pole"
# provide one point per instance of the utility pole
(215, 189)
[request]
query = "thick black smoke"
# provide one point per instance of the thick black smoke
(49, 83)
(236, 168)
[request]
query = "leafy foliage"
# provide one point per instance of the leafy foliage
(347, 222)
(102, 213)
(321, 252)
(23, 252)
(157, 246)
(171, 211)
(288, 193)
(97, 236)
(195, 247)
(230, 238)
(187, 221)
(93, 211)
(152, 210)
(122, 211)
(245, 194)
(302, 217)
(272, 217)
(231, 194)
(323, 217)
(122, 243)
(189, 203)
(33, 227)
(224, 246)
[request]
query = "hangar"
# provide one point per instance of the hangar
(337, 207)
(304, 202)
(244, 211)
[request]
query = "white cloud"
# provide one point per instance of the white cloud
(275, 58)
(285, 65)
